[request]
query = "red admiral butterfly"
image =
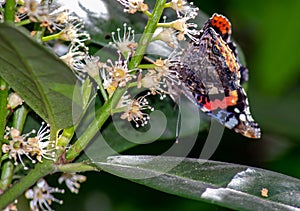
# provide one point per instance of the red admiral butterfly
(212, 76)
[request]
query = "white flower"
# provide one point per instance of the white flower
(116, 74)
(41, 145)
(120, 72)
(182, 7)
(17, 146)
(72, 181)
(74, 59)
(35, 10)
(134, 109)
(185, 28)
(49, 15)
(125, 43)
(160, 78)
(73, 31)
(132, 6)
(41, 196)
(37, 147)
(167, 35)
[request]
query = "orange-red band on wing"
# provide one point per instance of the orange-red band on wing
(222, 23)
(231, 100)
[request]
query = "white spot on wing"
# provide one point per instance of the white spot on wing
(247, 102)
(247, 110)
(249, 117)
(243, 117)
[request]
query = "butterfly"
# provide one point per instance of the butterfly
(212, 75)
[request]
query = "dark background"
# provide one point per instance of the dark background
(268, 32)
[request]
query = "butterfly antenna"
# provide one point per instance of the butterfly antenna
(177, 126)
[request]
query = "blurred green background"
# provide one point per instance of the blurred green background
(269, 34)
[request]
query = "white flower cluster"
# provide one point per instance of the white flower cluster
(34, 148)
(41, 194)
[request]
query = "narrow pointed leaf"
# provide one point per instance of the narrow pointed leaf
(38, 76)
(229, 185)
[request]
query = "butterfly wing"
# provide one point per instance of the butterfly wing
(211, 71)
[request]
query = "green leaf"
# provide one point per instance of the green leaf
(39, 77)
(229, 185)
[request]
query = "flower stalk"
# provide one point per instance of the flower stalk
(147, 35)
(9, 15)
(19, 117)
(3, 106)
(50, 37)
(101, 116)
(40, 170)
(48, 166)
(105, 111)
(76, 167)
(7, 167)
(6, 175)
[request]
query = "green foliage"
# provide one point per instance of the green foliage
(50, 89)
(226, 184)
(44, 82)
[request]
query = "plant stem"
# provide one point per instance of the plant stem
(147, 66)
(165, 25)
(101, 88)
(105, 111)
(9, 14)
(118, 110)
(50, 37)
(39, 32)
(148, 33)
(149, 14)
(6, 175)
(103, 92)
(23, 22)
(4, 157)
(7, 170)
(19, 117)
(3, 106)
(167, 5)
(76, 167)
(40, 170)
(65, 137)
(101, 116)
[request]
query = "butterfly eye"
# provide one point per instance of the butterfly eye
(216, 50)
